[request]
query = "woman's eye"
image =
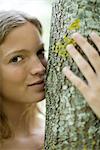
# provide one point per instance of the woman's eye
(16, 59)
(41, 53)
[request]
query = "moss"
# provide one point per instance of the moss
(60, 47)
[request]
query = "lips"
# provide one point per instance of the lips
(37, 83)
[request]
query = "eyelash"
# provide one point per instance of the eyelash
(41, 52)
(19, 56)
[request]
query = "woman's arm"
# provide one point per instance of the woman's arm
(90, 91)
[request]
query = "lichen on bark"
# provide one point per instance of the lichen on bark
(70, 122)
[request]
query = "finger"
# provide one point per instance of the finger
(90, 52)
(80, 84)
(96, 39)
(82, 64)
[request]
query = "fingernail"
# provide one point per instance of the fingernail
(75, 35)
(69, 46)
(93, 33)
(64, 70)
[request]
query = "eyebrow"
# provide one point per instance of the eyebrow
(22, 50)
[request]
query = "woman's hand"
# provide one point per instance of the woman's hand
(90, 91)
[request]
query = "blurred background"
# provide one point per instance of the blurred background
(42, 9)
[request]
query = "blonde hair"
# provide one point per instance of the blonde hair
(8, 21)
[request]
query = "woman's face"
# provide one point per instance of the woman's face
(22, 65)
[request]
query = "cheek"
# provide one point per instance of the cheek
(14, 74)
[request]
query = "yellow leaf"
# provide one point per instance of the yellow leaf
(75, 25)
(85, 147)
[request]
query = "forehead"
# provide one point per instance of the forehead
(25, 36)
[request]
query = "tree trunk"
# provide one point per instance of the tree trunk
(70, 122)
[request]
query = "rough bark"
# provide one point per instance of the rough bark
(70, 122)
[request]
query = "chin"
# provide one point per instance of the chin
(34, 96)
(39, 96)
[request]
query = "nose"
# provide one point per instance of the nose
(37, 67)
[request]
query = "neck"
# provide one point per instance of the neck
(17, 114)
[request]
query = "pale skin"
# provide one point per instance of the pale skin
(90, 91)
(22, 63)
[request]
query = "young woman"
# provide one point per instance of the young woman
(22, 70)
(22, 76)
